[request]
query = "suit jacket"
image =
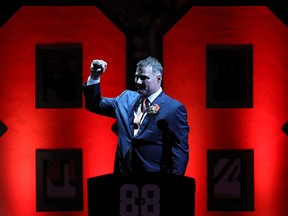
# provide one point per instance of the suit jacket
(153, 148)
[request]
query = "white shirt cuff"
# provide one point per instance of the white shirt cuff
(92, 82)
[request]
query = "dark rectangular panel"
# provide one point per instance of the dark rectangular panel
(230, 180)
(58, 76)
(229, 76)
(59, 180)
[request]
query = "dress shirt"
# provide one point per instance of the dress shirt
(151, 98)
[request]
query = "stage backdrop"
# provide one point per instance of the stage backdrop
(31, 128)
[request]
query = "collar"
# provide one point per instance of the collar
(152, 97)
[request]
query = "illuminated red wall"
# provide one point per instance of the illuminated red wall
(258, 128)
(185, 76)
(30, 128)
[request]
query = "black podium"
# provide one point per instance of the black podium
(150, 194)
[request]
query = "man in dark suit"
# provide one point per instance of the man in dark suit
(152, 127)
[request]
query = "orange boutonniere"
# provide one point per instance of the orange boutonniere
(153, 109)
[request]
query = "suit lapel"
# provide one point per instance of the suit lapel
(144, 124)
(131, 114)
(160, 101)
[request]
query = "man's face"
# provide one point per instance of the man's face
(146, 82)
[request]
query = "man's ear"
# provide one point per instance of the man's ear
(159, 78)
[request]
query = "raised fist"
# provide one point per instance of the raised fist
(97, 68)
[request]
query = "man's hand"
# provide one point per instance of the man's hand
(97, 68)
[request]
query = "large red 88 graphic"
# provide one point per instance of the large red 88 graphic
(139, 201)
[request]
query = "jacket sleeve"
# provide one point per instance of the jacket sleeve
(180, 148)
(95, 103)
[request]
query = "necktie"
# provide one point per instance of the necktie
(145, 104)
(139, 116)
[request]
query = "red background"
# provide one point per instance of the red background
(185, 79)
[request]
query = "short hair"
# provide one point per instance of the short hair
(153, 62)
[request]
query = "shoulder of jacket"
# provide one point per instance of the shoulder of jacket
(129, 93)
